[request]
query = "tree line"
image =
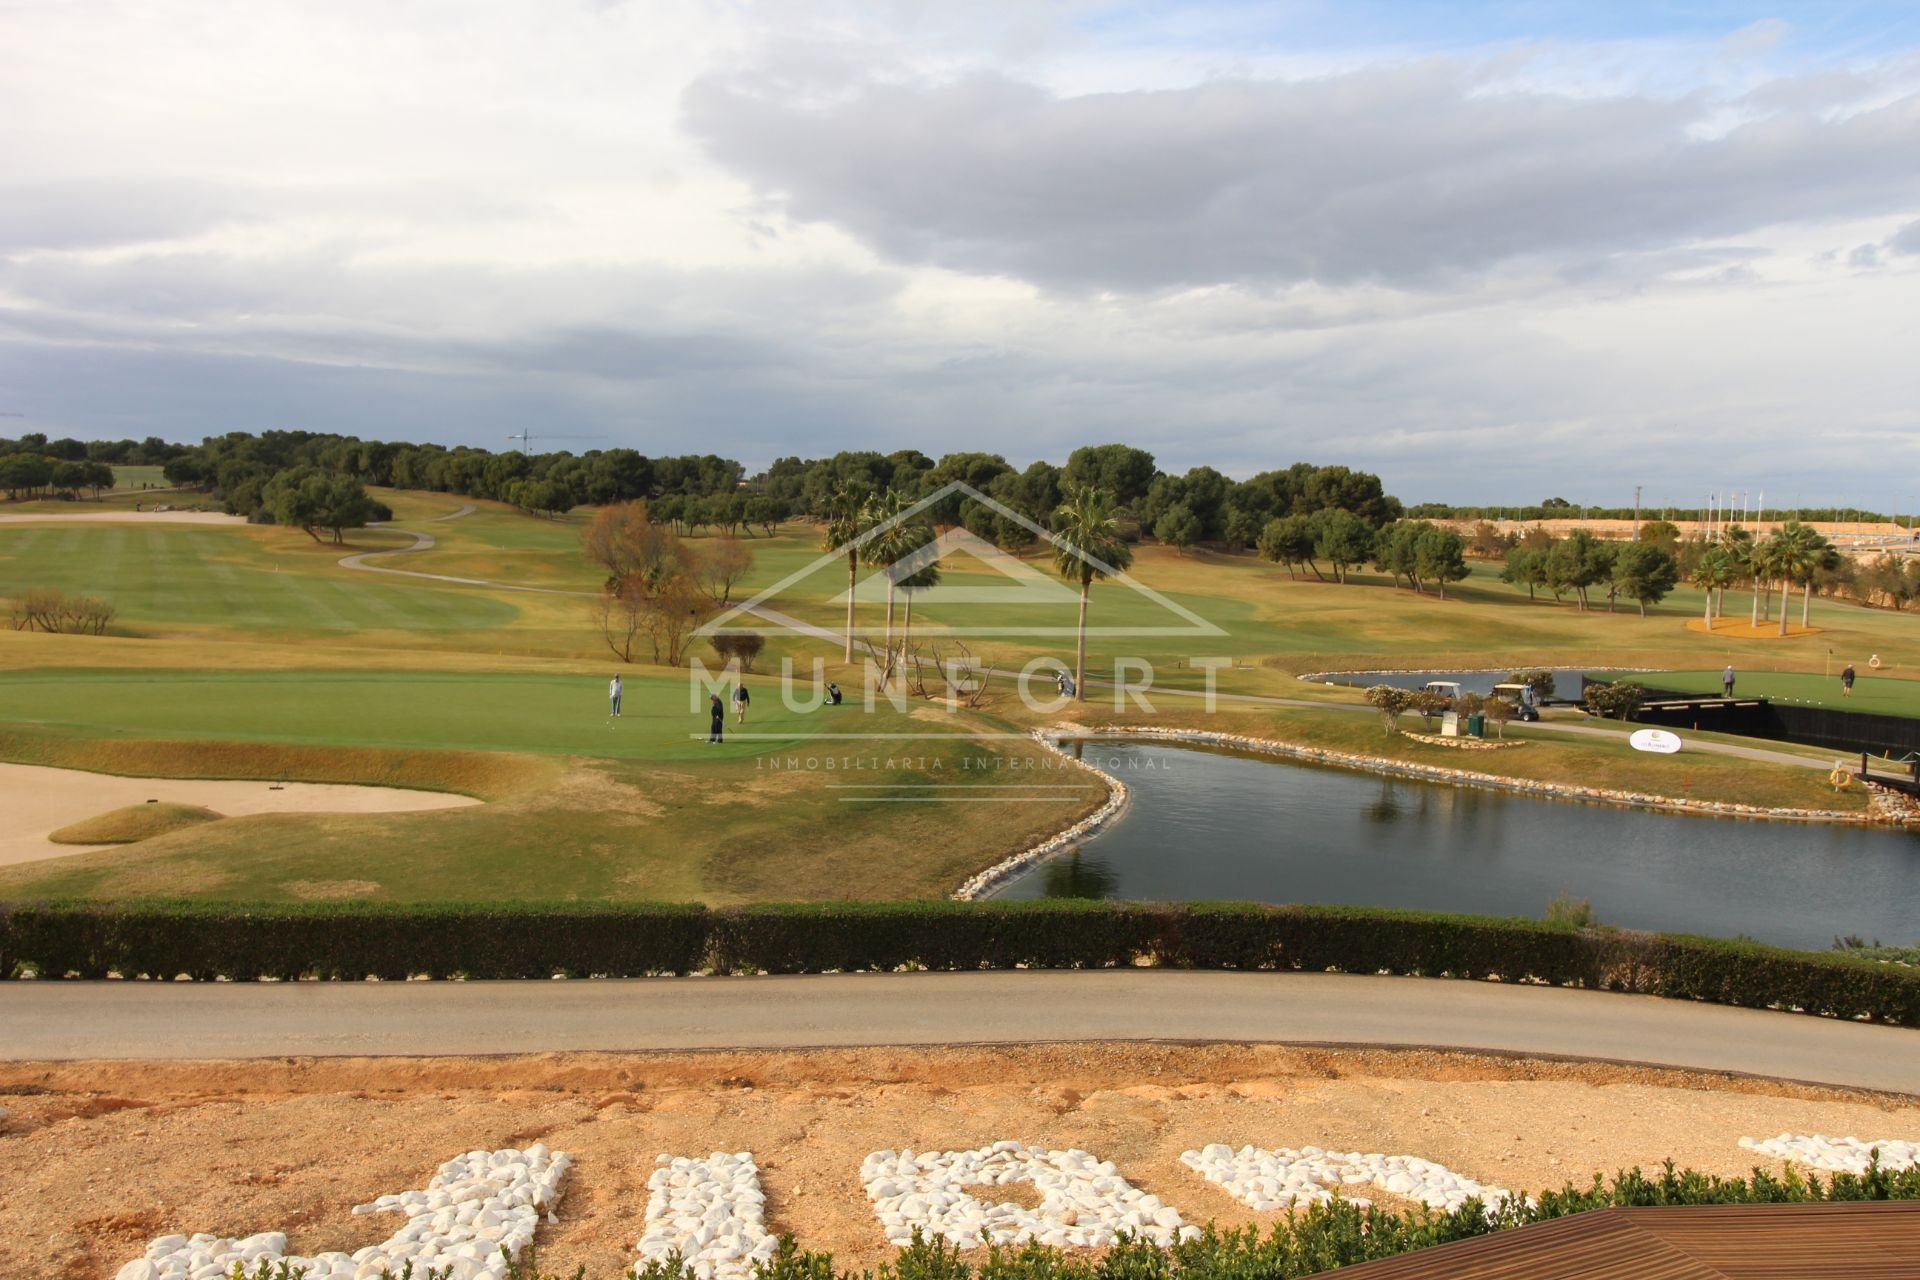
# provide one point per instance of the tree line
(32, 466)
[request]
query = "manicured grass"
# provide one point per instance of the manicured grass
(654, 813)
(419, 710)
(128, 479)
(1876, 692)
(166, 576)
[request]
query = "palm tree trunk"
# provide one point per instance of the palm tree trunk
(906, 630)
(1806, 600)
(1786, 593)
(853, 570)
(1709, 610)
(1080, 648)
(889, 615)
(1754, 622)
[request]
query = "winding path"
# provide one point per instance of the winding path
(425, 542)
(78, 1020)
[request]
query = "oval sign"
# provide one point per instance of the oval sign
(1655, 740)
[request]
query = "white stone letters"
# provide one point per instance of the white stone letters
(1836, 1155)
(1084, 1201)
(1265, 1178)
(476, 1205)
(710, 1212)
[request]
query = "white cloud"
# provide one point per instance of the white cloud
(769, 229)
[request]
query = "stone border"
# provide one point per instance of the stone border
(1464, 743)
(1493, 781)
(983, 884)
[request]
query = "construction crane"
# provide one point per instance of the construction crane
(526, 439)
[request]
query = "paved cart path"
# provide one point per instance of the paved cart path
(71, 1020)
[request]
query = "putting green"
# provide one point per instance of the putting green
(1872, 692)
(549, 714)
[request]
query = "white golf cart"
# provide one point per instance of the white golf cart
(1526, 706)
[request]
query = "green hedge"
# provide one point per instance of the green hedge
(211, 940)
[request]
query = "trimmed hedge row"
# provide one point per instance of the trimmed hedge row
(535, 940)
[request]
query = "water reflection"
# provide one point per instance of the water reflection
(1074, 875)
(1207, 824)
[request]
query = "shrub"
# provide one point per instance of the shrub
(1568, 910)
(1392, 702)
(743, 646)
(1619, 700)
(537, 940)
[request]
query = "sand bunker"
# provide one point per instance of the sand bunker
(35, 801)
(121, 517)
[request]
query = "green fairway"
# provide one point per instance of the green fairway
(128, 479)
(546, 714)
(188, 575)
(1873, 692)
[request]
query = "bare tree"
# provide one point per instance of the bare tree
(624, 541)
(675, 608)
(725, 562)
(620, 611)
(51, 610)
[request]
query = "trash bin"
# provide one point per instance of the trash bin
(1476, 725)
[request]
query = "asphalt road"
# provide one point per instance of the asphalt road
(74, 1020)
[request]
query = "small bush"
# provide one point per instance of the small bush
(1565, 909)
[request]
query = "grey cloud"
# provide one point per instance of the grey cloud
(1408, 175)
(1906, 239)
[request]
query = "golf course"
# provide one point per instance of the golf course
(455, 650)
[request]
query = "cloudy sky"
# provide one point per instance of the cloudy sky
(1493, 252)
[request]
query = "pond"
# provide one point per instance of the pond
(1213, 825)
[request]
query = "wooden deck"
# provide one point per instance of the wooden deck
(1867, 1241)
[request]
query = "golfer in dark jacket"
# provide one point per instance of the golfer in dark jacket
(718, 711)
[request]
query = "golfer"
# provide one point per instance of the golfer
(740, 701)
(1726, 682)
(717, 713)
(613, 697)
(1846, 682)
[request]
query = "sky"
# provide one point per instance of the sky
(1493, 252)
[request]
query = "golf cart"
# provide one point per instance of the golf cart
(1447, 689)
(1526, 706)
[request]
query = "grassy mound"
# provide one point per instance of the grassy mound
(133, 823)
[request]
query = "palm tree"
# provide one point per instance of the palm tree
(928, 575)
(846, 521)
(1717, 570)
(1824, 557)
(1087, 545)
(1799, 552)
(892, 541)
(1758, 562)
(1738, 544)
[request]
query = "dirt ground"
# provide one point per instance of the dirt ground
(35, 801)
(96, 1158)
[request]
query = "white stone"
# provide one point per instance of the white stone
(709, 1212)
(1283, 1177)
(1837, 1155)
(511, 1186)
(1083, 1201)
